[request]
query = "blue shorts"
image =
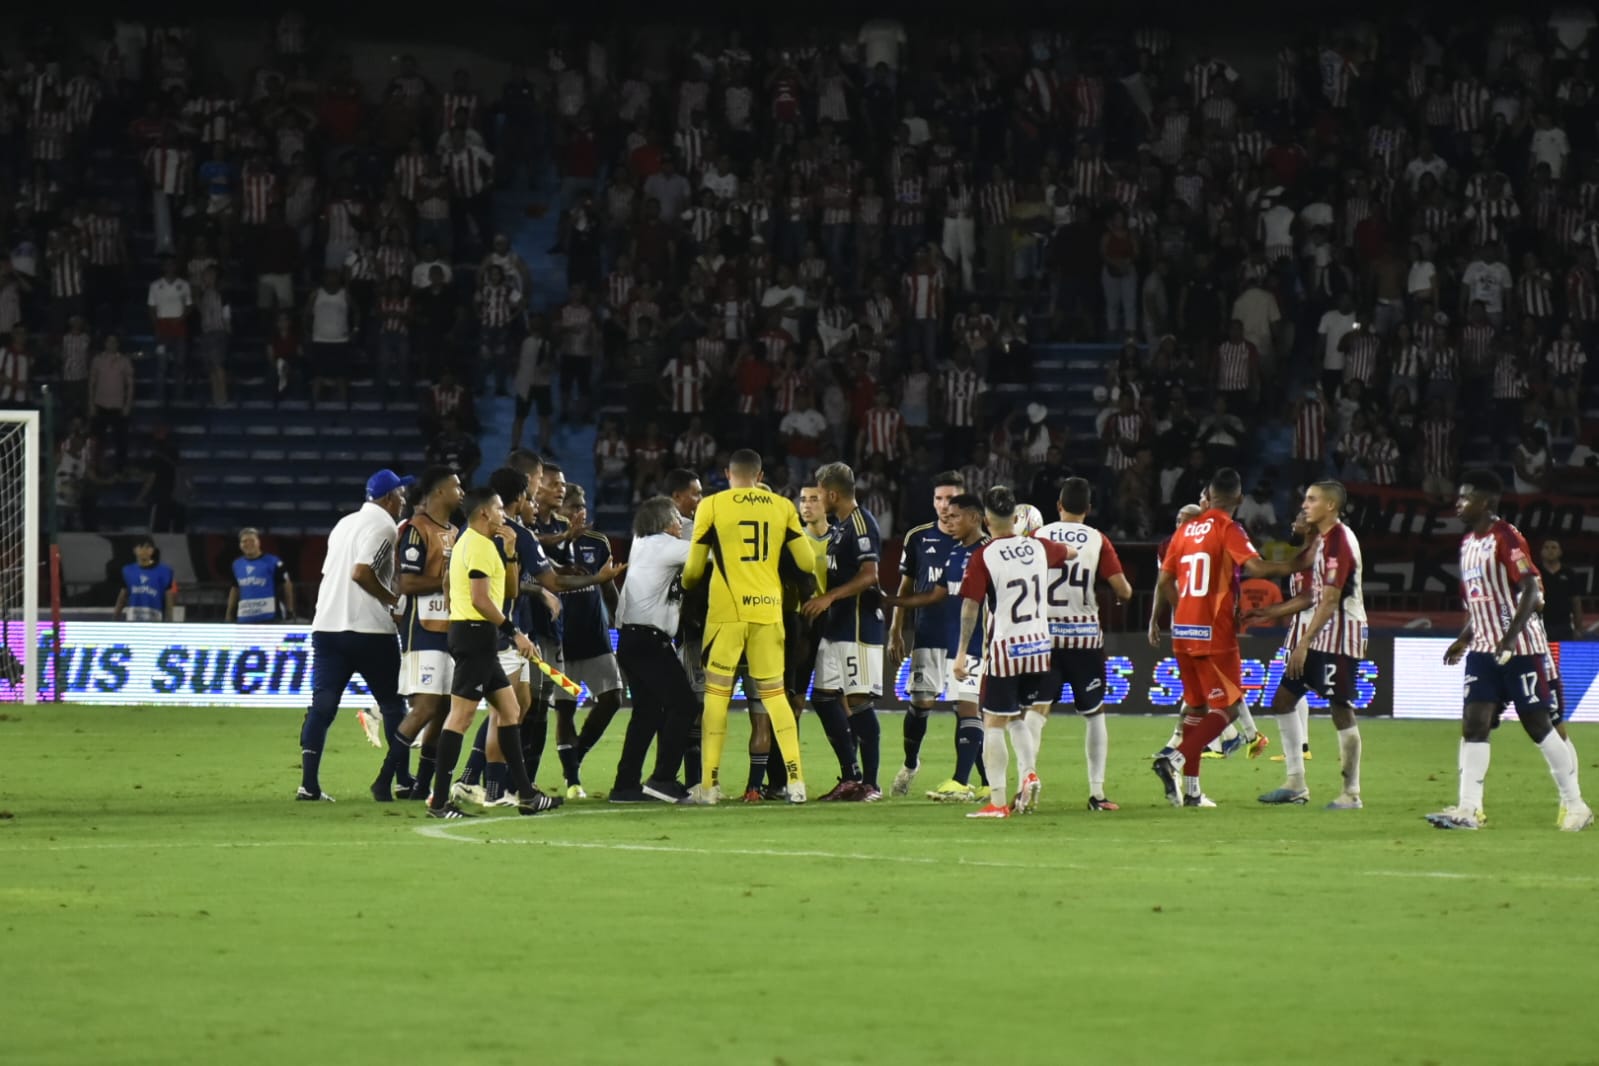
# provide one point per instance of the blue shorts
(1520, 681)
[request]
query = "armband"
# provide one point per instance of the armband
(508, 629)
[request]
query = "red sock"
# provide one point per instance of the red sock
(1196, 739)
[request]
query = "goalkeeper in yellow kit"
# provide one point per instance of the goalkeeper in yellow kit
(744, 531)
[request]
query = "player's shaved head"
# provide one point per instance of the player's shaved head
(429, 482)
(744, 464)
(527, 462)
(1076, 495)
(479, 500)
(967, 502)
(1188, 513)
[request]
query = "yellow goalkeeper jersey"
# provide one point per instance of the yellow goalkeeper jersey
(744, 532)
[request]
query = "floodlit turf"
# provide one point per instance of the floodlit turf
(162, 901)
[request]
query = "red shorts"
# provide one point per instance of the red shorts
(1214, 681)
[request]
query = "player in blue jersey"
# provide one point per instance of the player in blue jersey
(148, 587)
(937, 608)
(849, 661)
(262, 591)
(425, 541)
(586, 645)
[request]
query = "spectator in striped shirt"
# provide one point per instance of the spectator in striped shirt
(1566, 361)
(1238, 371)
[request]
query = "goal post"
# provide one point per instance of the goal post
(21, 521)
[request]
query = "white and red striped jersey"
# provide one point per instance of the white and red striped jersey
(48, 131)
(498, 304)
(395, 261)
(884, 428)
(1335, 571)
(1090, 178)
(1011, 576)
(1298, 584)
(924, 294)
(260, 190)
(1443, 363)
(1438, 447)
(1582, 295)
(1409, 361)
(104, 233)
(1391, 146)
(168, 169)
(1471, 99)
(1535, 293)
(1122, 435)
(690, 145)
(82, 96)
(1235, 364)
(452, 102)
(345, 219)
(1476, 344)
(711, 349)
(1492, 564)
(838, 204)
(408, 170)
(1071, 600)
(470, 169)
(1043, 91)
(1566, 359)
(1382, 459)
(1287, 73)
(1509, 383)
(996, 200)
(961, 389)
(1360, 361)
(66, 272)
(394, 313)
(1310, 430)
(695, 450)
(1088, 101)
(685, 381)
(910, 201)
(785, 390)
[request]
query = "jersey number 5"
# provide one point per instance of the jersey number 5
(1196, 574)
(757, 541)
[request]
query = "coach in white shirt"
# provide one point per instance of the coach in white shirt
(664, 703)
(353, 632)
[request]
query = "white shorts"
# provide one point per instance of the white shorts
(516, 668)
(426, 673)
(600, 674)
(851, 668)
(933, 677)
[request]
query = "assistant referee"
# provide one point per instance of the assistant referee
(477, 620)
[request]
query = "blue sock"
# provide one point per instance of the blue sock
(869, 733)
(968, 748)
(835, 723)
(314, 738)
(915, 733)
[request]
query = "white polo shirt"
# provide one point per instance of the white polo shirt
(651, 595)
(170, 299)
(365, 536)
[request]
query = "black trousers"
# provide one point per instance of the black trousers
(664, 705)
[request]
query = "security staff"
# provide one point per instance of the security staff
(664, 703)
(262, 591)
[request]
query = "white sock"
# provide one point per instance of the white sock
(996, 760)
(1561, 768)
(1349, 755)
(1246, 721)
(1176, 735)
(1191, 786)
(1293, 748)
(1302, 708)
(1021, 738)
(1036, 722)
(1473, 772)
(1230, 733)
(1096, 746)
(1576, 766)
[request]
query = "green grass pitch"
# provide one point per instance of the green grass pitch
(163, 901)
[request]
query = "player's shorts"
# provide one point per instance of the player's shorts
(1520, 681)
(600, 673)
(426, 673)
(1214, 681)
(1557, 691)
(516, 668)
(1081, 668)
(849, 667)
(758, 644)
(929, 672)
(1328, 675)
(1011, 695)
(478, 673)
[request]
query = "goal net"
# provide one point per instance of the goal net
(21, 519)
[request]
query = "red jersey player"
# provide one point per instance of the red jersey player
(1012, 576)
(1197, 576)
(1505, 648)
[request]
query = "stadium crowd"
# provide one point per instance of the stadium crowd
(832, 244)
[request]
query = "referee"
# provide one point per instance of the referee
(648, 613)
(477, 620)
(352, 632)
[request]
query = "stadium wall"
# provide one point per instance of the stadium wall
(128, 664)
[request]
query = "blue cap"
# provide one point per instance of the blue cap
(384, 482)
